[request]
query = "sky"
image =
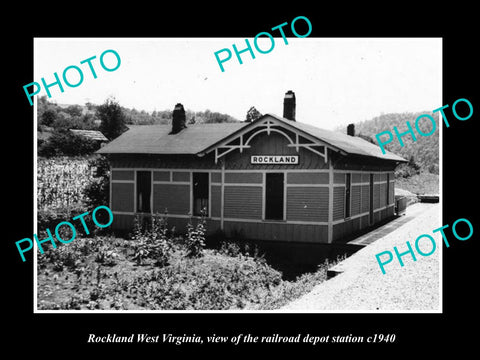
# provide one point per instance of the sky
(336, 81)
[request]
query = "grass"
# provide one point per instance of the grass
(423, 183)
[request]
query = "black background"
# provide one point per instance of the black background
(61, 335)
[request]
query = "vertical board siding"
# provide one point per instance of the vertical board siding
(338, 203)
(279, 231)
(356, 201)
(174, 198)
(216, 194)
(123, 175)
(243, 202)
(365, 203)
(244, 178)
(122, 197)
(307, 203)
(307, 178)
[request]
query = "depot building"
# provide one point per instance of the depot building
(274, 178)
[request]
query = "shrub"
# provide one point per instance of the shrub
(152, 243)
(195, 237)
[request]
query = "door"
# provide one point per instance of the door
(274, 195)
(371, 199)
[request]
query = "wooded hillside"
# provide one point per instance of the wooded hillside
(424, 152)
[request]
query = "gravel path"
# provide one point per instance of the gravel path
(363, 287)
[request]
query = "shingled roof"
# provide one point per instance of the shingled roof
(199, 138)
(90, 134)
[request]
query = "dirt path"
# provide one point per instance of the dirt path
(362, 286)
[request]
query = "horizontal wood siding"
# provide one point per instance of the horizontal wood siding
(307, 203)
(391, 191)
(338, 203)
(123, 175)
(174, 198)
(216, 195)
(355, 201)
(339, 178)
(243, 202)
(216, 177)
(376, 196)
(161, 176)
(307, 178)
(181, 176)
(243, 178)
(383, 195)
(365, 198)
(122, 197)
(356, 178)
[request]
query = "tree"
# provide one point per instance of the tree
(252, 114)
(112, 119)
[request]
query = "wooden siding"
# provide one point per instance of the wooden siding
(216, 177)
(356, 178)
(383, 195)
(181, 176)
(307, 178)
(376, 196)
(355, 207)
(341, 230)
(123, 175)
(365, 201)
(122, 197)
(161, 176)
(243, 202)
(243, 178)
(279, 231)
(338, 203)
(216, 201)
(307, 204)
(174, 198)
(391, 190)
(338, 178)
(273, 144)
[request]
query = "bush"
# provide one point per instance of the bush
(63, 142)
(152, 243)
(195, 238)
(97, 191)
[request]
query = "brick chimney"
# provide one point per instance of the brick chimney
(289, 105)
(178, 119)
(351, 129)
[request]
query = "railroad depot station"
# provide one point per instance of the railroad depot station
(273, 178)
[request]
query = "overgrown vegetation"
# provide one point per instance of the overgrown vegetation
(156, 269)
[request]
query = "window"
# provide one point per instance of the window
(200, 193)
(348, 185)
(274, 193)
(144, 191)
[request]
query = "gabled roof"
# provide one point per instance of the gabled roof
(202, 138)
(155, 139)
